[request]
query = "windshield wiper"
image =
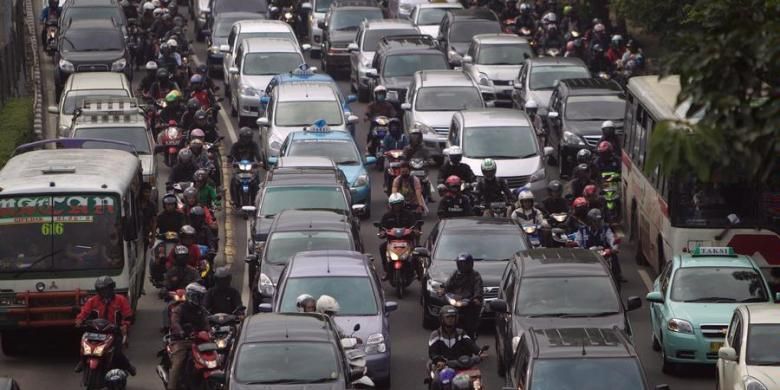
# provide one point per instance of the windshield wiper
(507, 157)
(574, 315)
(348, 28)
(753, 299)
(547, 315)
(765, 363)
(529, 155)
(711, 299)
(348, 162)
(34, 263)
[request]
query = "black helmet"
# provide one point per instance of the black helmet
(555, 186)
(104, 282)
(581, 168)
(116, 379)
(193, 105)
(201, 115)
(595, 217)
(448, 311)
(222, 277)
(163, 74)
(597, 48)
(394, 124)
(245, 134)
(465, 262)
(191, 193)
(181, 255)
(200, 175)
(194, 293)
(197, 216)
(185, 156)
(584, 156)
(169, 199)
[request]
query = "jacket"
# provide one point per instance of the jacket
(535, 216)
(465, 285)
(107, 311)
(222, 300)
(452, 346)
(187, 319)
(454, 206)
(179, 277)
(170, 221)
(494, 191)
(392, 143)
(194, 261)
(586, 238)
(463, 171)
(245, 151)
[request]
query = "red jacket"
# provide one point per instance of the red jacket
(97, 305)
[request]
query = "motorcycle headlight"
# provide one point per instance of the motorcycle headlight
(538, 175)
(432, 286)
(375, 343)
(98, 351)
(484, 80)
(753, 383)
(67, 66)
(361, 181)
(214, 49)
(246, 90)
(118, 65)
(221, 343)
(85, 348)
(679, 326)
(424, 128)
(288, 15)
(529, 229)
(416, 164)
(572, 139)
(265, 285)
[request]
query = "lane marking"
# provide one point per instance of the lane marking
(225, 118)
(646, 280)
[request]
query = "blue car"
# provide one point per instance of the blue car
(339, 147)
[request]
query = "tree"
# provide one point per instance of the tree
(660, 17)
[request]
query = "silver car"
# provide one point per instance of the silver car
(294, 106)
(258, 60)
(92, 85)
(427, 16)
(318, 9)
(538, 77)
(494, 60)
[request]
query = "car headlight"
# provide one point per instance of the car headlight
(98, 351)
(361, 181)
(679, 326)
(572, 139)
(118, 65)
(424, 128)
(67, 66)
(248, 91)
(538, 175)
(376, 343)
(85, 348)
(753, 383)
(432, 286)
(265, 285)
(221, 343)
(485, 80)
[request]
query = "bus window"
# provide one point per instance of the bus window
(628, 124)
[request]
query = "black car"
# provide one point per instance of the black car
(577, 109)
(575, 358)
(459, 26)
(91, 45)
(396, 60)
(293, 231)
(339, 29)
(557, 288)
(75, 10)
(491, 241)
(218, 7)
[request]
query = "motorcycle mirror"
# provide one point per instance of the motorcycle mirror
(422, 252)
(364, 381)
(306, 6)
(249, 209)
(305, 47)
(53, 110)
(356, 328)
(484, 348)
(217, 377)
(356, 373)
(348, 342)
(391, 306)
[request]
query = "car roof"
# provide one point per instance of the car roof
(763, 313)
(327, 263)
(589, 86)
(92, 24)
(555, 61)
(499, 38)
(294, 92)
(92, 3)
(387, 24)
(267, 45)
(443, 78)
(315, 162)
(354, 3)
(477, 14)
(555, 262)
(580, 343)
(317, 220)
(349, 8)
(477, 224)
(97, 80)
(291, 77)
(489, 117)
(260, 25)
(287, 327)
(691, 261)
(440, 5)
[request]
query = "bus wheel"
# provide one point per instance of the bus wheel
(10, 344)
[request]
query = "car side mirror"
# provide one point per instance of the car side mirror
(348, 342)
(249, 209)
(306, 6)
(490, 104)
(370, 160)
(422, 252)
(356, 373)
(406, 106)
(373, 73)
(53, 110)
(466, 60)
(351, 99)
(553, 115)
(633, 303)
(359, 209)
(272, 160)
(233, 70)
(217, 377)
(391, 306)
(264, 308)
(262, 121)
(777, 297)
(548, 151)
(224, 48)
(517, 85)
(352, 119)
(655, 297)
(728, 353)
(498, 306)
(352, 47)
(305, 47)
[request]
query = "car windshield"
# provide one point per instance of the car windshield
(350, 19)
(501, 246)
(277, 199)
(355, 294)
(60, 233)
(554, 296)
(223, 26)
(372, 37)
(499, 142)
(287, 362)
(267, 34)
(282, 245)
(74, 99)
(136, 136)
(341, 152)
(462, 32)
(306, 112)
(270, 63)
(85, 13)
(431, 16)
(578, 374)
(718, 285)
(448, 99)
(83, 41)
(514, 54)
(404, 65)
(763, 346)
(595, 108)
(256, 6)
(544, 77)
(322, 5)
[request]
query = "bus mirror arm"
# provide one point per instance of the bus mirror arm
(733, 221)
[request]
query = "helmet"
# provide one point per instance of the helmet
(526, 195)
(197, 211)
(445, 377)
(222, 276)
(567, 9)
(594, 215)
(196, 79)
(524, 7)
(461, 382)
(455, 154)
(597, 48)
(196, 144)
(166, 14)
(554, 186)
(157, 12)
(489, 168)
(185, 156)
(201, 115)
(195, 293)
(464, 257)
(608, 128)
(395, 198)
(394, 124)
(104, 282)
(169, 199)
(181, 255)
(172, 96)
(163, 74)
(589, 190)
(579, 203)
(164, 48)
(191, 193)
(570, 46)
(598, 27)
(531, 105)
(549, 17)
(148, 7)
(380, 90)
(197, 133)
(172, 43)
(200, 174)
(604, 147)
(581, 168)
(447, 311)
(617, 39)
(453, 182)
(245, 134)
(116, 379)
(303, 299)
(327, 305)
(193, 105)
(151, 65)
(584, 156)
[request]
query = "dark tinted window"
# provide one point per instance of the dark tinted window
(464, 31)
(350, 19)
(576, 296)
(92, 40)
(401, 65)
(259, 6)
(763, 345)
(372, 37)
(287, 363)
(501, 246)
(613, 374)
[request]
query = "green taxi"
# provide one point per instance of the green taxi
(693, 300)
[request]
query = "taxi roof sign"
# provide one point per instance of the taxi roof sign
(713, 251)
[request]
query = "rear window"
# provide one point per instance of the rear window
(258, 6)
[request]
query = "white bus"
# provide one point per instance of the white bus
(67, 216)
(671, 215)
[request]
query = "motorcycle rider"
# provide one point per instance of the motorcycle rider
(170, 219)
(398, 216)
(147, 18)
(551, 39)
(203, 235)
(186, 238)
(222, 298)
(579, 215)
(591, 194)
(525, 19)
(188, 118)
(609, 134)
(173, 109)
(163, 85)
(184, 169)
(466, 284)
(191, 201)
(510, 12)
(244, 149)
(582, 178)
(207, 194)
(555, 203)
(108, 305)
(53, 12)
(415, 149)
(380, 106)
(130, 10)
(182, 273)
(148, 207)
(411, 188)
(201, 158)
(306, 303)
(116, 379)
(161, 26)
(598, 60)
(395, 138)
(491, 189)
(585, 156)
(616, 49)
(570, 21)
(207, 125)
(454, 203)
(532, 109)
(606, 161)
(526, 212)
(454, 167)
(187, 318)
(597, 233)
(149, 78)
(449, 342)
(200, 92)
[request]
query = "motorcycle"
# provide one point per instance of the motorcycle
(162, 247)
(97, 352)
(212, 151)
(393, 160)
(223, 331)
(610, 190)
(52, 31)
(171, 138)
(246, 176)
(202, 363)
(400, 253)
(468, 365)
(378, 130)
(532, 232)
(420, 170)
(558, 220)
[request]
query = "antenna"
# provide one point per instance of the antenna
(328, 262)
(583, 347)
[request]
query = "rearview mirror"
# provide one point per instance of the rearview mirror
(655, 297)
(359, 209)
(466, 60)
(372, 73)
(353, 47)
(516, 85)
(370, 160)
(356, 373)
(663, 387)
(272, 160)
(406, 106)
(306, 6)
(633, 303)
(490, 104)
(352, 119)
(728, 353)
(777, 297)
(422, 252)
(249, 209)
(217, 377)
(53, 110)
(233, 70)
(262, 121)
(391, 306)
(224, 48)
(348, 342)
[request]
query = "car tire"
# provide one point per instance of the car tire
(363, 94)
(654, 342)
(667, 367)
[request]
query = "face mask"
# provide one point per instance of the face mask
(380, 98)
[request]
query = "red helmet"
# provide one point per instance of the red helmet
(570, 46)
(579, 202)
(588, 191)
(452, 181)
(604, 147)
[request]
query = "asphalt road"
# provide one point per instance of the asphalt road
(53, 354)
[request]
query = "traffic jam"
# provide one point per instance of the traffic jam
(334, 194)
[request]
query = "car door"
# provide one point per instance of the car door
(657, 309)
(354, 55)
(235, 78)
(518, 370)
(554, 127)
(453, 138)
(734, 340)
(506, 292)
(227, 60)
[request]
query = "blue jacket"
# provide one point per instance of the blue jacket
(392, 143)
(45, 13)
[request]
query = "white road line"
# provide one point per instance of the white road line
(648, 282)
(245, 284)
(225, 118)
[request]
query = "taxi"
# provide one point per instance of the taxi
(338, 146)
(693, 299)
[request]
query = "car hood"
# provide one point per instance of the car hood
(259, 82)
(525, 323)
(400, 82)
(588, 128)
(429, 30)
(499, 72)
(272, 271)
(147, 162)
(490, 270)
(352, 171)
(542, 98)
(92, 56)
(434, 118)
(703, 313)
(307, 386)
(768, 375)
(368, 326)
(459, 47)
(343, 36)
(507, 167)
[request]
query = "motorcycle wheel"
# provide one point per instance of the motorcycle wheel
(92, 379)
(400, 286)
(245, 199)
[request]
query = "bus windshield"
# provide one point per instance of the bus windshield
(56, 233)
(698, 205)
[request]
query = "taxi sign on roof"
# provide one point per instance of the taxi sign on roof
(713, 251)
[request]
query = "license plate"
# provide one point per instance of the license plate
(418, 173)
(714, 347)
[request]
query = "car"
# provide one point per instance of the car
(433, 97)
(289, 350)
(428, 16)
(361, 52)
(7, 383)
(507, 136)
(309, 76)
(396, 60)
(78, 10)
(350, 278)
(340, 147)
(80, 86)
(219, 36)
(315, 165)
(450, 237)
(402, 9)
(458, 27)
(538, 76)
(577, 109)
(575, 358)
(318, 10)
(257, 61)
(748, 357)
(567, 287)
(244, 29)
(693, 300)
(91, 45)
(339, 29)
(495, 61)
(217, 7)
(293, 107)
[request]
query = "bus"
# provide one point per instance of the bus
(671, 215)
(67, 216)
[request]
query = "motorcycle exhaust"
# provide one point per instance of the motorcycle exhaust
(162, 374)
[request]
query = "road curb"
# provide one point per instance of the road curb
(31, 50)
(229, 250)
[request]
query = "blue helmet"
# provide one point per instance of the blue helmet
(446, 376)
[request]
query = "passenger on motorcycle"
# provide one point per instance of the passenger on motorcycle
(147, 18)
(207, 125)
(598, 60)
(306, 303)
(592, 195)
(149, 78)
(191, 201)
(466, 283)
(201, 92)
(454, 203)
(616, 49)
(188, 117)
(187, 318)
(582, 178)
(181, 273)
(398, 216)
(395, 138)
(597, 233)
(579, 215)
(163, 85)
(491, 189)
(449, 342)
(410, 187)
(203, 235)
(584, 156)
(208, 82)
(53, 12)
(454, 167)
(526, 212)
(606, 161)
(244, 149)
(201, 158)
(161, 26)
(555, 203)
(222, 298)
(186, 238)
(170, 219)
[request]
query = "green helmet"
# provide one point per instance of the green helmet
(172, 96)
(488, 165)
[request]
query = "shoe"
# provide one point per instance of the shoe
(79, 367)
(131, 369)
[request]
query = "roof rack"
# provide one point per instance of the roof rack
(106, 107)
(420, 39)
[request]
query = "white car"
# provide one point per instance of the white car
(427, 16)
(317, 9)
(506, 136)
(494, 60)
(750, 356)
(92, 85)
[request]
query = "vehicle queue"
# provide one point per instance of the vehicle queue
(511, 244)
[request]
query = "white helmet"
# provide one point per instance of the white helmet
(301, 300)
(156, 3)
(151, 65)
(327, 305)
(454, 151)
(157, 12)
(380, 88)
(525, 195)
(531, 104)
(395, 198)
(148, 7)
(172, 43)
(607, 124)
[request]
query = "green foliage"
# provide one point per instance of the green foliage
(15, 127)
(659, 17)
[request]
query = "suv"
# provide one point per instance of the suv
(428, 16)
(567, 287)
(78, 10)
(538, 76)
(458, 28)
(578, 107)
(575, 358)
(339, 29)
(361, 57)
(433, 97)
(219, 36)
(81, 86)
(398, 58)
(495, 60)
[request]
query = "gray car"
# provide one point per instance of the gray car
(537, 78)
(494, 60)
(219, 36)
